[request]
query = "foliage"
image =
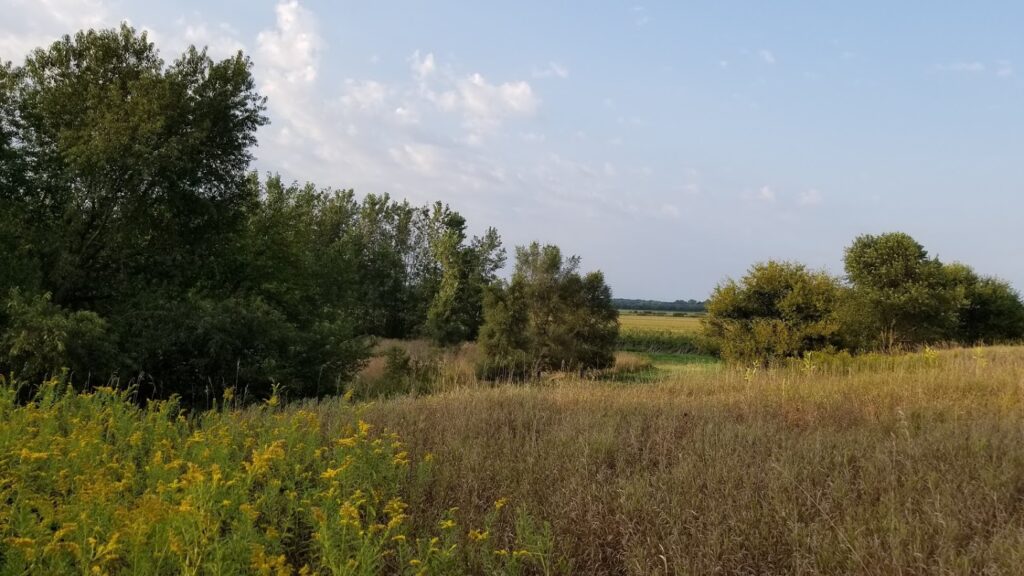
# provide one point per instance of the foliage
(897, 297)
(778, 310)
(137, 238)
(456, 312)
(95, 484)
(900, 296)
(547, 317)
(41, 335)
(991, 310)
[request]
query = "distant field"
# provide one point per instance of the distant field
(662, 323)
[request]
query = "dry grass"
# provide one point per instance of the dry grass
(915, 468)
(661, 323)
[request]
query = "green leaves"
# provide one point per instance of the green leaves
(778, 310)
(547, 317)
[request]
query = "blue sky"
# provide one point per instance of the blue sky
(669, 144)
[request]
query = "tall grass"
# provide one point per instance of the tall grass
(911, 465)
(832, 465)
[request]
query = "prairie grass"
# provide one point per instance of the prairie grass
(911, 464)
(908, 464)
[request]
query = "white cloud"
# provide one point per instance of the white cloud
(766, 56)
(552, 70)
(485, 106)
(221, 41)
(407, 115)
(962, 66)
(365, 95)
(422, 66)
(669, 211)
(421, 158)
(288, 62)
(766, 194)
(810, 197)
(30, 24)
(291, 51)
(1004, 69)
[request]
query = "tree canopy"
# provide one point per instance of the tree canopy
(547, 317)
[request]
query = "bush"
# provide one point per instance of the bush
(778, 310)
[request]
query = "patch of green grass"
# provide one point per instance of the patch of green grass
(683, 359)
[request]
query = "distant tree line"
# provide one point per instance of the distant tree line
(659, 306)
(136, 241)
(894, 296)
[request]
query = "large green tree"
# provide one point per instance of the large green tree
(134, 231)
(466, 270)
(547, 317)
(900, 295)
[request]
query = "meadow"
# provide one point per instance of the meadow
(908, 464)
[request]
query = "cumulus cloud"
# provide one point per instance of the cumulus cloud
(290, 52)
(766, 56)
(484, 105)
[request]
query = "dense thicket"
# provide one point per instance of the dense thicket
(895, 296)
(547, 317)
(136, 242)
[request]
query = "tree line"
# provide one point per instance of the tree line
(138, 243)
(894, 296)
(658, 305)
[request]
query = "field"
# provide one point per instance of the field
(660, 323)
(884, 464)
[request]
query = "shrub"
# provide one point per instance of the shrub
(778, 310)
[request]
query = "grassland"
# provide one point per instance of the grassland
(883, 465)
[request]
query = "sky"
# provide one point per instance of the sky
(669, 144)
